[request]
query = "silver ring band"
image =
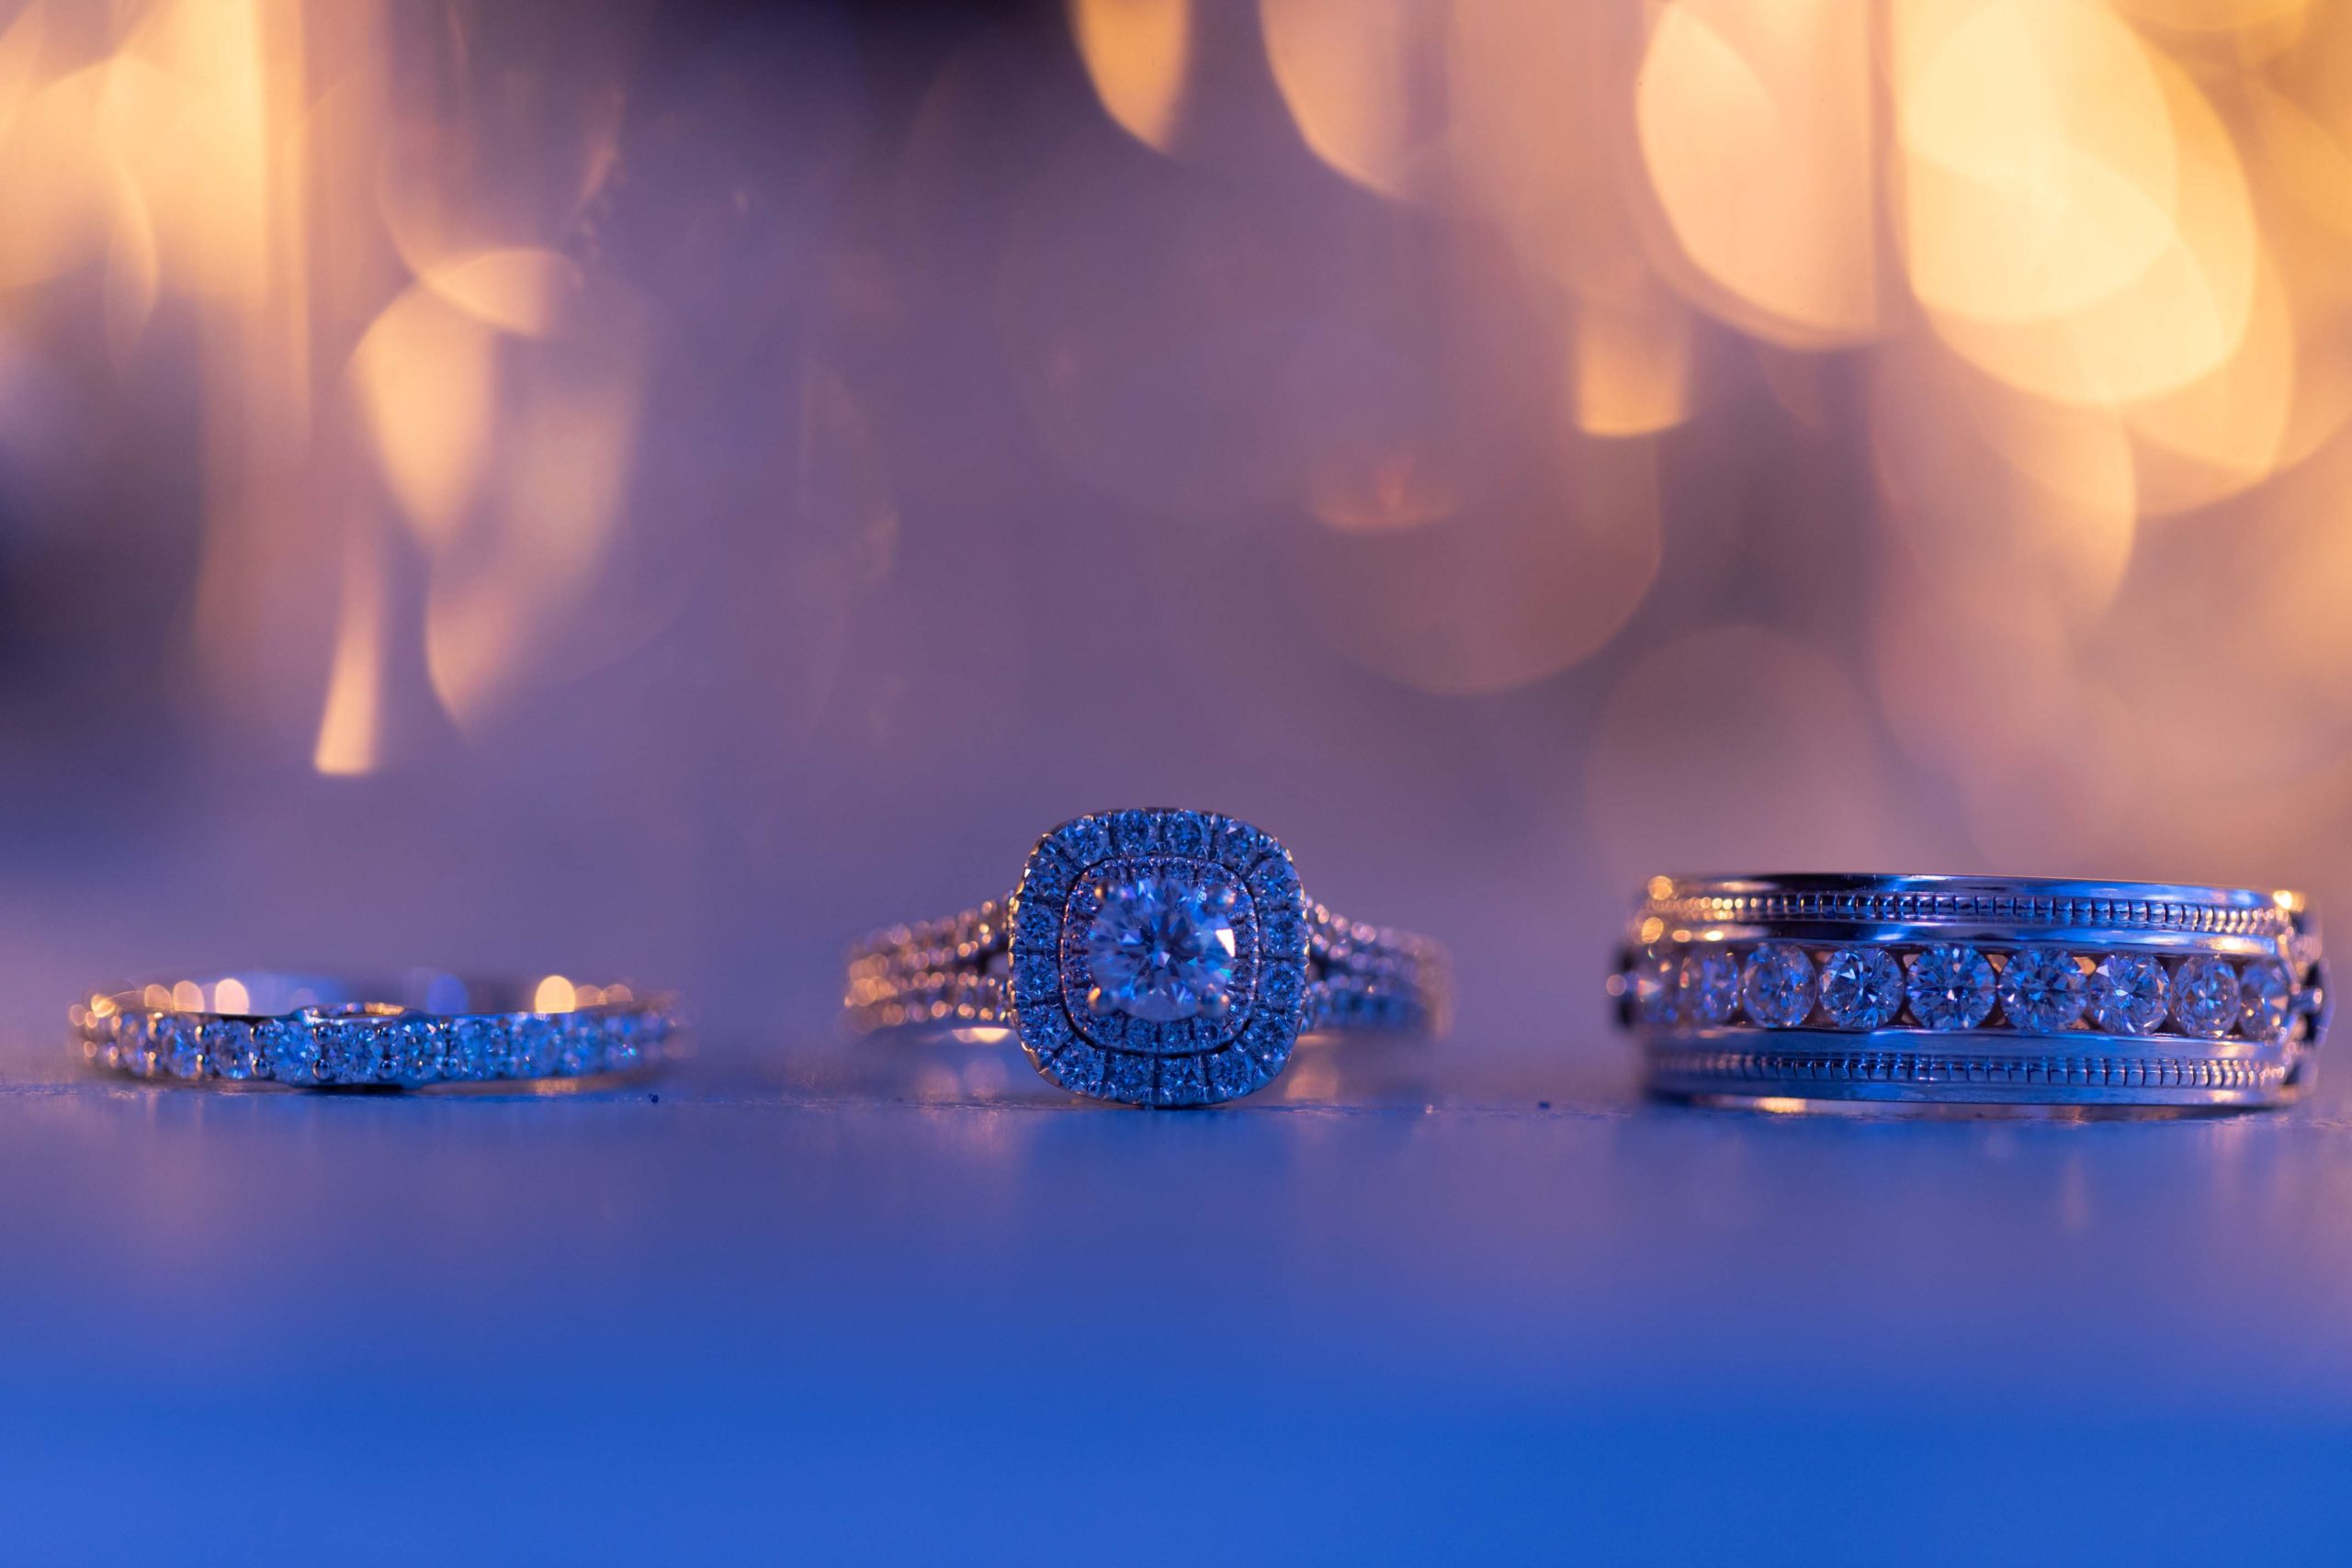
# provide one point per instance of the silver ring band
(1151, 957)
(429, 1031)
(955, 972)
(1984, 990)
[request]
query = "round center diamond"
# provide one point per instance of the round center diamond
(1162, 946)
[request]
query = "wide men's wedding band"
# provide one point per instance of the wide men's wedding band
(1974, 990)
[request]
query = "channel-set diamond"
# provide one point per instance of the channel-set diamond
(2040, 990)
(2043, 989)
(1861, 987)
(2129, 994)
(1776, 986)
(1709, 986)
(2266, 999)
(1950, 987)
(2205, 996)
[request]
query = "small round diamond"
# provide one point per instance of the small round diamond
(1231, 1074)
(2129, 994)
(417, 1056)
(583, 1045)
(1776, 987)
(2205, 995)
(535, 1043)
(1084, 841)
(2266, 999)
(1182, 1081)
(178, 1050)
(287, 1046)
(229, 1050)
(1653, 977)
(1950, 987)
(134, 1046)
(2043, 989)
(1128, 1078)
(624, 1041)
(1861, 987)
(352, 1051)
(1708, 987)
(473, 1048)
(1078, 1068)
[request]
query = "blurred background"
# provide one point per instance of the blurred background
(652, 491)
(660, 488)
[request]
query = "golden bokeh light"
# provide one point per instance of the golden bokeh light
(1137, 54)
(1365, 81)
(1960, 387)
(2076, 219)
(1756, 129)
(425, 377)
(2039, 156)
(1505, 591)
(1630, 371)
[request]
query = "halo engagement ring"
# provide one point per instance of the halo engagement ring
(429, 1031)
(1965, 989)
(1152, 958)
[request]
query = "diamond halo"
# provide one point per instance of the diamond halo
(1158, 957)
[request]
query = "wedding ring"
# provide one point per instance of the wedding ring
(1974, 990)
(1154, 958)
(431, 1029)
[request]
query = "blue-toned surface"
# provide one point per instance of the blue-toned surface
(909, 1305)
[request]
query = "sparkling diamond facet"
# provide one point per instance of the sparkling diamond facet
(2043, 989)
(2266, 999)
(134, 1047)
(1708, 987)
(583, 1045)
(353, 1051)
(1128, 1078)
(1080, 1069)
(1776, 986)
(1162, 946)
(417, 1056)
(1655, 976)
(1231, 1074)
(475, 1048)
(1182, 1081)
(177, 1051)
(2205, 995)
(535, 1042)
(1950, 987)
(287, 1046)
(229, 1050)
(1861, 987)
(2130, 993)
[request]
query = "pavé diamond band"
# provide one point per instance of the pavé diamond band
(1974, 990)
(1152, 958)
(429, 1031)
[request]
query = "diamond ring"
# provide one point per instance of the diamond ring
(1974, 990)
(1151, 958)
(432, 1030)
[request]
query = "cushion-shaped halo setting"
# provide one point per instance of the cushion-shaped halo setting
(1158, 957)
